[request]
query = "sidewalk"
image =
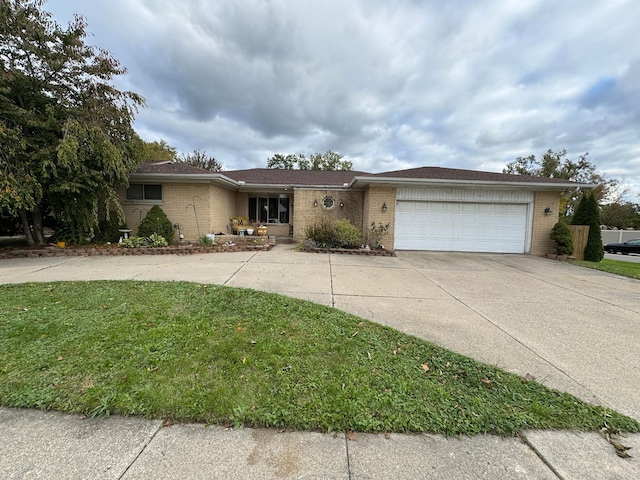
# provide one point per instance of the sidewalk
(36, 444)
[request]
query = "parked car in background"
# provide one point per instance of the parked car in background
(630, 246)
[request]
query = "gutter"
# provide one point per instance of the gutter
(480, 183)
(184, 178)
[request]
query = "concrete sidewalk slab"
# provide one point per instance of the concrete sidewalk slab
(367, 261)
(383, 282)
(198, 452)
(585, 455)
(374, 457)
(487, 285)
(284, 278)
(199, 272)
(39, 444)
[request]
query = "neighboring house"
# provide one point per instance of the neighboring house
(428, 208)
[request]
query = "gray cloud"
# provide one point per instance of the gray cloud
(460, 84)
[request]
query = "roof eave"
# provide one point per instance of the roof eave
(479, 183)
(184, 178)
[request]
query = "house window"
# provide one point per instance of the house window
(140, 191)
(269, 208)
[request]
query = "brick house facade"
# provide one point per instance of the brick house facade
(427, 208)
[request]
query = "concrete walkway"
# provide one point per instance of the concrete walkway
(573, 329)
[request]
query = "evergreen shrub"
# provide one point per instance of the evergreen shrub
(156, 221)
(561, 235)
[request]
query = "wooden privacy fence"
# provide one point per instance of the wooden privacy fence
(580, 235)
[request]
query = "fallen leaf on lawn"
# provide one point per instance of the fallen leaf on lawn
(425, 366)
(239, 328)
(487, 382)
(369, 355)
(59, 358)
(527, 378)
(351, 436)
(395, 351)
(354, 334)
(244, 359)
(361, 324)
(253, 342)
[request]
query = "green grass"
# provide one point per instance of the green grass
(205, 353)
(619, 267)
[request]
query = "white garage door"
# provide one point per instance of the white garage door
(461, 227)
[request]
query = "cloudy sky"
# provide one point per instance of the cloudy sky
(389, 85)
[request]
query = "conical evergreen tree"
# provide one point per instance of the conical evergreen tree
(588, 213)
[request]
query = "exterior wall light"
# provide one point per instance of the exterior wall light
(547, 211)
(315, 203)
(341, 204)
(384, 207)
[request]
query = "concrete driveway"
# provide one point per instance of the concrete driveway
(574, 329)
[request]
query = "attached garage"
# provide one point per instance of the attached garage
(463, 220)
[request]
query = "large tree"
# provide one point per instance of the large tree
(317, 161)
(556, 165)
(66, 140)
(200, 159)
(160, 151)
(621, 215)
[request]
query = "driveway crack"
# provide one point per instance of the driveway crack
(244, 264)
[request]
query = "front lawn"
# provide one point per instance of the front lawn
(619, 267)
(205, 353)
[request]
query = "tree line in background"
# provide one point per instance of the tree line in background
(317, 161)
(608, 193)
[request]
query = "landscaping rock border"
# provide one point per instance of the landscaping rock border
(122, 251)
(350, 251)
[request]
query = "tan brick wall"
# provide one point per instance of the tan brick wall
(541, 244)
(223, 206)
(304, 213)
(213, 207)
(374, 198)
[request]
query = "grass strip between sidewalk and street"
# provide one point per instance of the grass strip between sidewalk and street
(618, 267)
(206, 353)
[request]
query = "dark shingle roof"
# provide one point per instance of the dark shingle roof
(168, 167)
(440, 173)
(266, 176)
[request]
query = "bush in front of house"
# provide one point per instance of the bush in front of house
(375, 234)
(339, 234)
(156, 221)
(346, 234)
(321, 233)
(588, 213)
(561, 235)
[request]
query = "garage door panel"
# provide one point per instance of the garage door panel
(459, 226)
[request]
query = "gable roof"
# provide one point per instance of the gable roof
(266, 177)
